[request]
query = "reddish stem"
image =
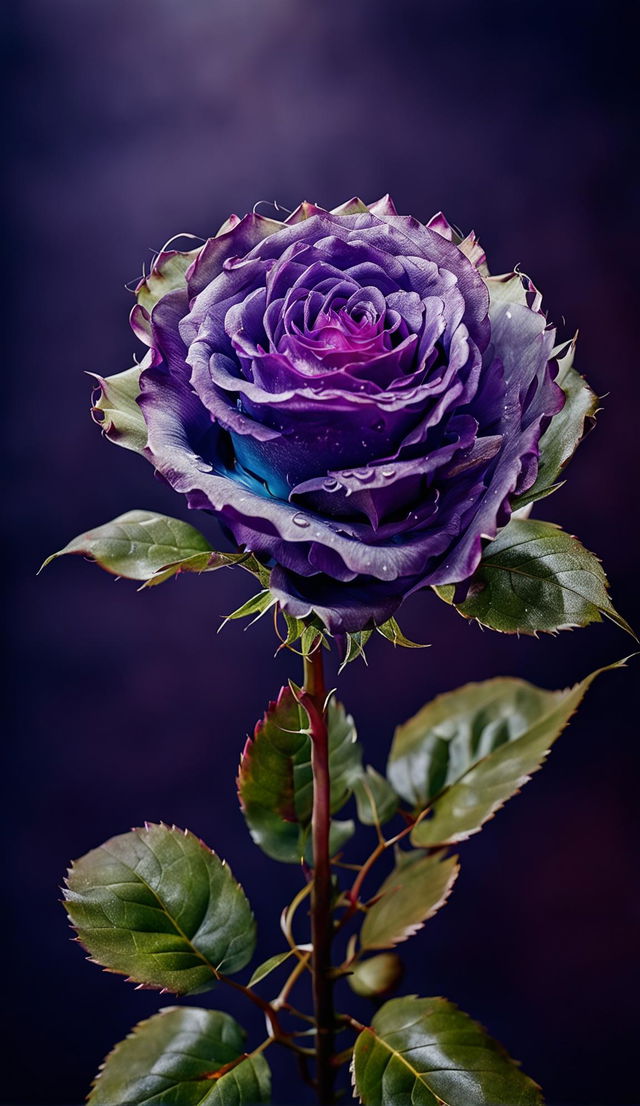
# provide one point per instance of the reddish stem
(313, 700)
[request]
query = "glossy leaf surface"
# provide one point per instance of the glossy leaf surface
(533, 577)
(415, 890)
(186, 1057)
(426, 1052)
(138, 544)
(468, 751)
(275, 782)
(158, 906)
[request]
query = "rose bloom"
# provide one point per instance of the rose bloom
(351, 394)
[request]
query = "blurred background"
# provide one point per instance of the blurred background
(133, 120)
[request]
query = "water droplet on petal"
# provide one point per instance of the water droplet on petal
(388, 474)
(347, 474)
(330, 485)
(301, 520)
(364, 474)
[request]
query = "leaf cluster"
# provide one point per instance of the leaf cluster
(158, 906)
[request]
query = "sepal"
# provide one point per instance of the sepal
(393, 633)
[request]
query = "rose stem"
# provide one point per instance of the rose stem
(321, 920)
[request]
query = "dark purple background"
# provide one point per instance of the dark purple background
(136, 119)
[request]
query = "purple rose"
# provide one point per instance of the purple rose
(351, 394)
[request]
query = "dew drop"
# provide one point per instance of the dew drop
(330, 485)
(388, 474)
(347, 474)
(364, 474)
(301, 520)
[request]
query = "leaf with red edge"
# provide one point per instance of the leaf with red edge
(275, 783)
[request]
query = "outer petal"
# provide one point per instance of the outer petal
(522, 341)
(167, 273)
(235, 242)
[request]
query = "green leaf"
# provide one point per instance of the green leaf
(185, 1056)
(117, 412)
(533, 577)
(199, 562)
(158, 906)
(275, 783)
(268, 966)
(566, 429)
(426, 1052)
(376, 800)
(414, 892)
(137, 544)
(471, 749)
(376, 976)
(391, 630)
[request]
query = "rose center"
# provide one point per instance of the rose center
(337, 338)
